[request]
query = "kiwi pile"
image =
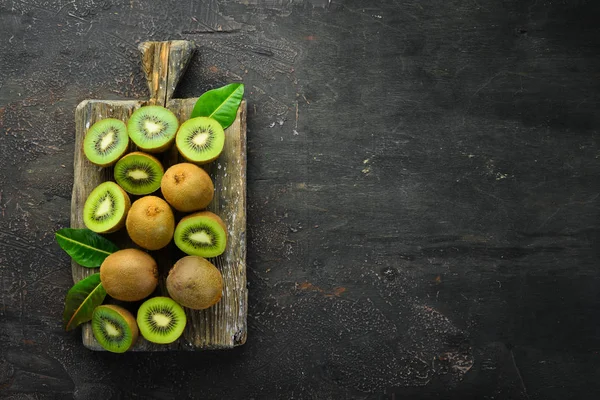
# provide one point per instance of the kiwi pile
(169, 206)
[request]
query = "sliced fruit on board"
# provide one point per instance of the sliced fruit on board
(114, 328)
(106, 141)
(200, 140)
(139, 173)
(161, 320)
(224, 325)
(201, 234)
(106, 208)
(152, 128)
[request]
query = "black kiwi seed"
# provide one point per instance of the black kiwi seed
(196, 229)
(118, 337)
(152, 128)
(106, 141)
(100, 218)
(167, 312)
(98, 144)
(105, 208)
(139, 173)
(151, 176)
(161, 320)
(145, 117)
(201, 234)
(200, 140)
(114, 328)
(189, 140)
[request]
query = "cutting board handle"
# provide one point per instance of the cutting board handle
(164, 64)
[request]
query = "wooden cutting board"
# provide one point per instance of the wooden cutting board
(223, 325)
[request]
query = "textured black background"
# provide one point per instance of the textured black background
(423, 195)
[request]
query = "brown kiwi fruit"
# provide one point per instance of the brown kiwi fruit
(150, 223)
(129, 275)
(187, 187)
(195, 283)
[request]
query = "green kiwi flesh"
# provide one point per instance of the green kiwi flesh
(200, 140)
(106, 141)
(139, 173)
(152, 128)
(201, 234)
(106, 208)
(114, 328)
(161, 320)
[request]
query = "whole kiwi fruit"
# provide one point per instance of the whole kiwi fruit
(195, 283)
(150, 223)
(187, 187)
(129, 275)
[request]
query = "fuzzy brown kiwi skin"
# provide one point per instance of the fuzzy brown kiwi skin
(127, 207)
(129, 275)
(207, 214)
(195, 283)
(150, 223)
(141, 153)
(129, 318)
(187, 187)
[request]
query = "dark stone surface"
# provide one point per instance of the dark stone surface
(423, 195)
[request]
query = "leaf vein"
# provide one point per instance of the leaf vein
(82, 304)
(83, 244)
(224, 102)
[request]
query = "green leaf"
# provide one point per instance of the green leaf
(220, 104)
(81, 301)
(87, 248)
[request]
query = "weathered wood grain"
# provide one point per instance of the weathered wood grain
(223, 325)
(164, 63)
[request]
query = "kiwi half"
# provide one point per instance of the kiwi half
(129, 275)
(106, 141)
(152, 128)
(187, 187)
(161, 320)
(201, 234)
(114, 328)
(194, 282)
(139, 173)
(200, 140)
(150, 223)
(106, 208)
